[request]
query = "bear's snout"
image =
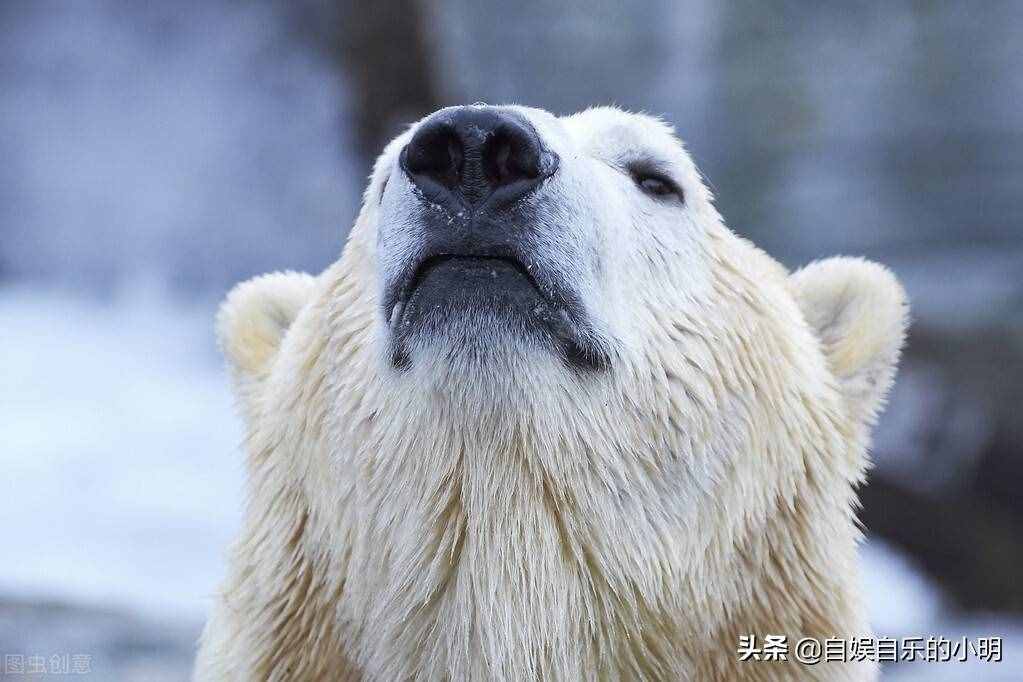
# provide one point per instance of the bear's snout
(476, 158)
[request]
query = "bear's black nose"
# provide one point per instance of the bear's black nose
(476, 154)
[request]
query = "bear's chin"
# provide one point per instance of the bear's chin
(448, 288)
(474, 312)
(490, 335)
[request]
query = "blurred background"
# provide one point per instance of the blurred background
(153, 154)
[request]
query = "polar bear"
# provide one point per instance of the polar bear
(547, 418)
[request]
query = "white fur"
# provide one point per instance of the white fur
(509, 519)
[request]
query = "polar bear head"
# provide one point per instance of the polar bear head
(544, 378)
(507, 244)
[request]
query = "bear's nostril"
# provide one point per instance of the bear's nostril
(437, 155)
(509, 157)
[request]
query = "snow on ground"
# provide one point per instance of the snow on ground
(122, 473)
(904, 602)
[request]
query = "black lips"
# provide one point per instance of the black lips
(446, 283)
(473, 293)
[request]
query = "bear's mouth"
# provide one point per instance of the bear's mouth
(467, 297)
(451, 274)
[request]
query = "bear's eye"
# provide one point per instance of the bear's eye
(656, 184)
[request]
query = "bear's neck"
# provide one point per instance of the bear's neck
(584, 534)
(475, 537)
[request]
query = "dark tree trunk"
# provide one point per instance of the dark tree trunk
(385, 50)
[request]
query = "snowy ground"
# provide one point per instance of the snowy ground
(122, 484)
(903, 602)
(121, 478)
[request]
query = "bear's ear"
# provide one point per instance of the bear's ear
(254, 318)
(859, 312)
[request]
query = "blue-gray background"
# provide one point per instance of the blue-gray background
(155, 153)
